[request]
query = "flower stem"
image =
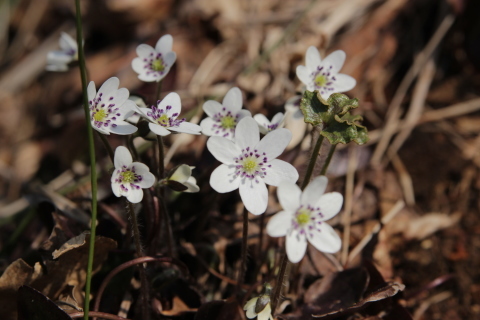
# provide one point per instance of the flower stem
(313, 161)
(279, 282)
(139, 250)
(243, 265)
(161, 158)
(158, 91)
(93, 172)
(329, 158)
(132, 148)
(107, 146)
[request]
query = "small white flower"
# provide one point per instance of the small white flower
(303, 218)
(266, 125)
(264, 314)
(164, 117)
(249, 163)
(129, 177)
(223, 118)
(154, 64)
(323, 75)
(183, 175)
(292, 107)
(59, 60)
(109, 107)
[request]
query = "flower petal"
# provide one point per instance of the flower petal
(123, 128)
(296, 246)
(278, 225)
(233, 100)
(247, 133)
(138, 65)
(91, 91)
(109, 88)
(278, 118)
(208, 126)
(169, 59)
(304, 75)
(250, 304)
(262, 122)
(274, 143)
(144, 50)
(223, 149)
(134, 195)
(164, 44)
(266, 313)
(187, 127)
(66, 42)
(182, 173)
(330, 204)
(158, 129)
(254, 195)
(279, 171)
(191, 184)
(312, 58)
(173, 100)
(119, 97)
(325, 239)
(344, 83)
(223, 179)
(116, 189)
(147, 181)
(336, 59)
(148, 77)
(122, 157)
(314, 190)
(289, 196)
(212, 107)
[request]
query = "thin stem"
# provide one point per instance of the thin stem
(93, 172)
(158, 91)
(243, 266)
(140, 254)
(279, 282)
(107, 145)
(313, 161)
(132, 148)
(329, 158)
(161, 156)
(260, 236)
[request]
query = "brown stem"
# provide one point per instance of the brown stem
(243, 266)
(279, 282)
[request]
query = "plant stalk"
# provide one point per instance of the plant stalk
(329, 158)
(243, 265)
(313, 161)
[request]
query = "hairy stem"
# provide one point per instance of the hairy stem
(329, 158)
(313, 161)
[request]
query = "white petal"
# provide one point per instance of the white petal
(123, 128)
(116, 189)
(187, 127)
(266, 313)
(158, 129)
(128, 108)
(138, 65)
(182, 173)
(144, 51)
(280, 171)
(330, 204)
(223, 149)
(247, 133)
(325, 240)
(140, 168)
(58, 57)
(173, 100)
(250, 304)
(278, 118)
(293, 104)
(91, 91)
(191, 184)
(344, 83)
(223, 179)
(279, 224)
(67, 43)
(304, 75)
(134, 195)
(147, 77)
(102, 129)
(312, 58)
(169, 59)
(262, 122)
(314, 190)
(109, 88)
(335, 59)
(212, 107)
(233, 100)
(164, 44)
(147, 181)
(296, 246)
(274, 143)
(289, 196)
(122, 157)
(56, 67)
(119, 97)
(243, 114)
(254, 195)
(207, 126)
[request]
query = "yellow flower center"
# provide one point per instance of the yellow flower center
(320, 81)
(157, 65)
(228, 122)
(163, 120)
(249, 165)
(100, 115)
(127, 176)
(303, 216)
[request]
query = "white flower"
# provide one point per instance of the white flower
(249, 163)
(129, 177)
(264, 314)
(164, 117)
(109, 107)
(154, 64)
(223, 118)
(292, 106)
(266, 125)
(59, 60)
(183, 176)
(323, 75)
(303, 218)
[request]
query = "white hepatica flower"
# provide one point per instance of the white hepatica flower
(249, 163)
(129, 177)
(109, 107)
(183, 175)
(303, 218)
(223, 118)
(59, 60)
(251, 312)
(266, 125)
(323, 75)
(154, 64)
(164, 117)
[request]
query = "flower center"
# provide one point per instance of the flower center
(157, 65)
(323, 79)
(303, 216)
(127, 176)
(161, 117)
(100, 115)
(251, 164)
(228, 122)
(163, 120)
(320, 81)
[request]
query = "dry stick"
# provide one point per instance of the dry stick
(405, 180)
(394, 109)
(140, 254)
(243, 266)
(347, 213)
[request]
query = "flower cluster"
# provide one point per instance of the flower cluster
(58, 60)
